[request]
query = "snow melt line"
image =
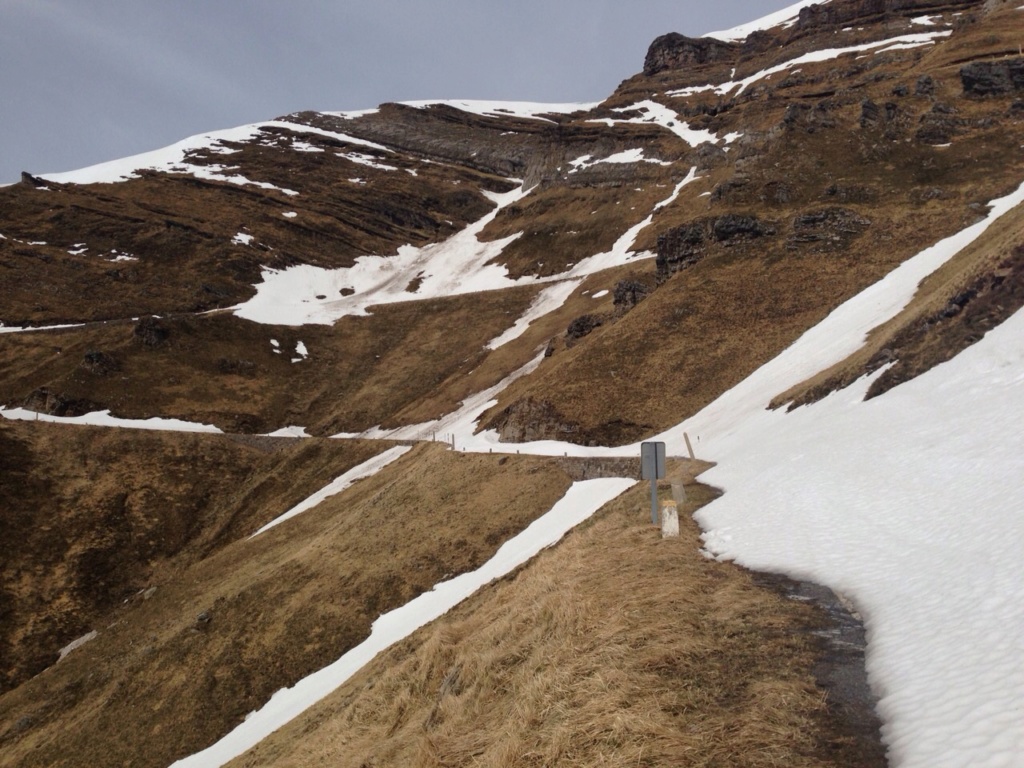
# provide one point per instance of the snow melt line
(104, 419)
(836, 337)
(30, 328)
(522, 109)
(368, 468)
(580, 502)
(548, 300)
(166, 158)
(659, 114)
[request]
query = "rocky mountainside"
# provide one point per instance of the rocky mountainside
(599, 272)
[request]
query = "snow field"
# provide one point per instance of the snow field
(908, 504)
(581, 501)
(462, 264)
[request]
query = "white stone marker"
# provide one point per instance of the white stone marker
(669, 519)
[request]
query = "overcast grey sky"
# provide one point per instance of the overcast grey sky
(84, 81)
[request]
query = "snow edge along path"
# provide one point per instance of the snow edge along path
(907, 504)
(369, 467)
(580, 502)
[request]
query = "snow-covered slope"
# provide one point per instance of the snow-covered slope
(783, 16)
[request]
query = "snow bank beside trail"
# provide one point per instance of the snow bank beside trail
(909, 504)
(581, 501)
(104, 419)
(366, 469)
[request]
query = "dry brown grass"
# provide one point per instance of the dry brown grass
(616, 648)
(158, 683)
(91, 516)
(222, 370)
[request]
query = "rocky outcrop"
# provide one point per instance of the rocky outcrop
(675, 51)
(530, 419)
(821, 15)
(152, 332)
(684, 246)
(45, 400)
(580, 327)
(831, 228)
(938, 126)
(100, 363)
(993, 78)
(629, 293)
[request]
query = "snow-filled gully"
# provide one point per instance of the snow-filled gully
(460, 265)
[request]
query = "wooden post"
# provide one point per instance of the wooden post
(689, 448)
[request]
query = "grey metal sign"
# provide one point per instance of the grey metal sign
(652, 461)
(652, 467)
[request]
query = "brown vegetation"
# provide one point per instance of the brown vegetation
(617, 648)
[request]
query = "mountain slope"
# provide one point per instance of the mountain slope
(672, 259)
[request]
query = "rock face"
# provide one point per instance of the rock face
(675, 51)
(582, 326)
(993, 78)
(151, 332)
(684, 246)
(830, 228)
(532, 419)
(629, 293)
(867, 11)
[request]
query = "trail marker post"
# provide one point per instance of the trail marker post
(652, 467)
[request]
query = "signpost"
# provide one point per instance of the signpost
(652, 467)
